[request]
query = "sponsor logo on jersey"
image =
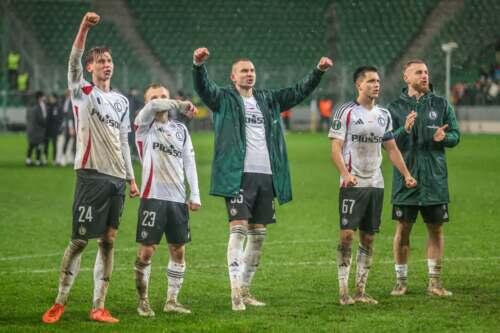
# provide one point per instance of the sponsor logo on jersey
(170, 150)
(105, 119)
(372, 138)
(359, 122)
(254, 119)
(433, 115)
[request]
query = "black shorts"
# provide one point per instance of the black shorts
(361, 207)
(255, 203)
(159, 217)
(435, 214)
(97, 205)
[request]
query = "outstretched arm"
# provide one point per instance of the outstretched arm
(75, 69)
(289, 97)
(207, 89)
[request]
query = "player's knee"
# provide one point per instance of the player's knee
(146, 253)
(176, 252)
(78, 245)
(346, 237)
(435, 230)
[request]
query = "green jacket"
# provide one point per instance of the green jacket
(230, 137)
(424, 158)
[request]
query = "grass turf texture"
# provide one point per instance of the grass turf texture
(297, 276)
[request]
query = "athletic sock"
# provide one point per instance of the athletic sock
(344, 254)
(175, 277)
(103, 269)
(142, 274)
(237, 237)
(434, 266)
(70, 267)
(251, 258)
(363, 263)
(401, 272)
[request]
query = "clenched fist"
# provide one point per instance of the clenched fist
(90, 19)
(324, 64)
(200, 55)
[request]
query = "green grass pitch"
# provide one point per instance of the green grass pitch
(297, 276)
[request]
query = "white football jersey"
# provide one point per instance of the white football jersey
(100, 119)
(363, 132)
(167, 156)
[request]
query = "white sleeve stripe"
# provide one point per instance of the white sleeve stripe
(340, 111)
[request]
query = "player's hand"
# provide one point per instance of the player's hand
(90, 19)
(325, 64)
(200, 55)
(189, 109)
(193, 206)
(410, 182)
(350, 180)
(410, 121)
(134, 190)
(440, 133)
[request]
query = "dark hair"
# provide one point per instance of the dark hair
(39, 94)
(360, 72)
(95, 51)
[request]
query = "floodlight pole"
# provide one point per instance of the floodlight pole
(448, 49)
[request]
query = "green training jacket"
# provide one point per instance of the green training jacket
(424, 158)
(230, 137)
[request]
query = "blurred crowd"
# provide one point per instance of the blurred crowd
(50, 130)
(484, 91)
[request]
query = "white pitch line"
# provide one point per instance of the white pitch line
(222, 266)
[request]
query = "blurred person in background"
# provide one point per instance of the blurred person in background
(36, 124)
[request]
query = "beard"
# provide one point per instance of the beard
(421, 87)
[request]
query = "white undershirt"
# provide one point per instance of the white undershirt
(257, 155)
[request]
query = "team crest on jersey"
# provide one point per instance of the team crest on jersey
(179, 135)
(144, 234)
(345, 221)
(336, 124)
(433, 115)
(399, 213)
(233, 211)
(118, 107)
(82, 231)
(381, 121)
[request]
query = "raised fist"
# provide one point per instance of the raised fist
(200, 55)
(324, 64)
(90, 19)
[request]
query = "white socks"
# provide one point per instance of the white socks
(251, 260)
(103, 268)
(344, 254)
(175, 277)
(70, 267)
(363, 264)
(142, 275)
(235, 244)
(401, 272)
(434, 266)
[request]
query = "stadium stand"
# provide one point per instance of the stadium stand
(475, 30)
(377, 32)
(283, 38)
(55, 24)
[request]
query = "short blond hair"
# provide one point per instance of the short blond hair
(411, 62)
